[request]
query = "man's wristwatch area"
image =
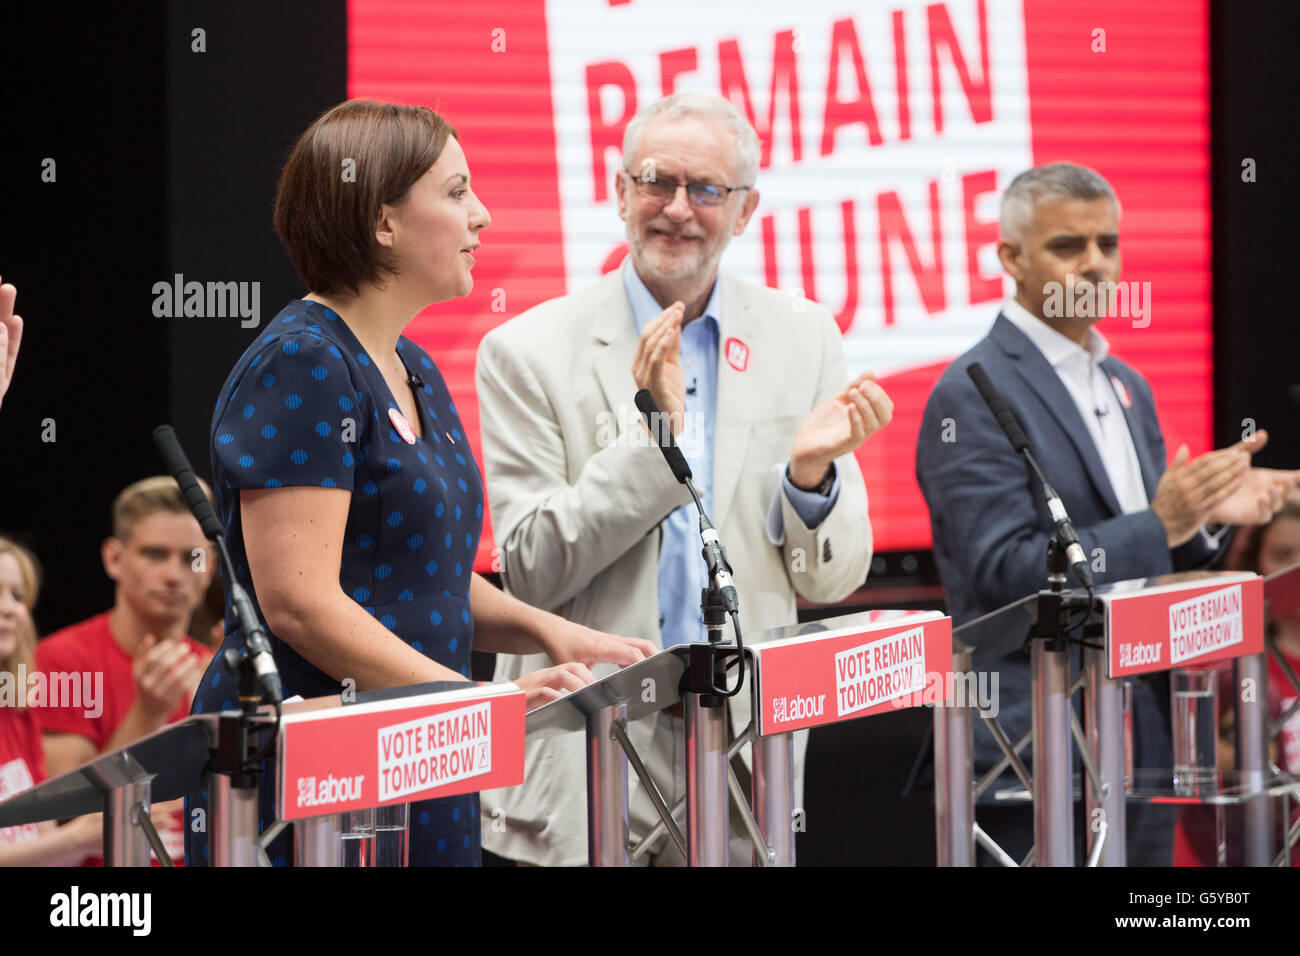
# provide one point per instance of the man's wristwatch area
(823, 489)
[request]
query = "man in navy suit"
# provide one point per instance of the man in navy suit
(1091, 423)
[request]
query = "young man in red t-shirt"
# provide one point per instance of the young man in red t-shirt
(149, 667)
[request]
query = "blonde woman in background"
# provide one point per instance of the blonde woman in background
(22, 757)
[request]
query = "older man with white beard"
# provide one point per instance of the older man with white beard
(589, 520)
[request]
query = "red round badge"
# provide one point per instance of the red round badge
(402, 425)
(736, 353)
(1125, 398)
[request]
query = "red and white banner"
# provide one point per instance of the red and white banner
(397, 751)
(1182, 625)
(829, 676)
(888, 131)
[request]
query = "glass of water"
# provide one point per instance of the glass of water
(1196, 730)
(358, 836)
(393, 835)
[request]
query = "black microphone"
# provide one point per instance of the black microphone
(662, 432)
(179, 467)
(1065, 533)
(415, 381)
(259, 648)
(998, 407)
(715, 555)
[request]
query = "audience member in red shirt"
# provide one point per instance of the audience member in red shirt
(22, 759)
(139, 669)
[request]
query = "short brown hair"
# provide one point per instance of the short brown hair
(326, 221)
(24, 654)
(146, 497)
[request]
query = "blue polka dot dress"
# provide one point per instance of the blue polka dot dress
(306, 406)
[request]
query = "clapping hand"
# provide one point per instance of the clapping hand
(166, 673)
(657, 365)
(1261, 492)
(838, 426)
(11, 337)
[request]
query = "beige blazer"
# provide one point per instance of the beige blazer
(578, 493)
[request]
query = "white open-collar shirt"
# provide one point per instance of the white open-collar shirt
(1079, 369)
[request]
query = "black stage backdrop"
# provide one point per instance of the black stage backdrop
(1254, 89)
(166, 164)
(166, 160)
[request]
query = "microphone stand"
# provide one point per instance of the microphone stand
(1053, 774)
(1049, 655)
(235, 764)
(704, 684)
(233, 771)
(707, 674)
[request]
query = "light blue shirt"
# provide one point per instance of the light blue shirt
(682, 572)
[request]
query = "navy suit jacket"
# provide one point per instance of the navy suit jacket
(991, 528)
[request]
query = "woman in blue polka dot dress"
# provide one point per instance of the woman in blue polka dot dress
(350, 497)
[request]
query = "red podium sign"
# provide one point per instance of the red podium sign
(396, 751)
(830, 676)
(1185, 624)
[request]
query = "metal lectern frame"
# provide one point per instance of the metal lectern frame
(981, 643)
(603, 710)
(123, 785)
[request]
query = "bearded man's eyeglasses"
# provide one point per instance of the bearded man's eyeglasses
(664, 190)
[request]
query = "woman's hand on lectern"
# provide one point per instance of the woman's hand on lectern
(567, 642)
(552, 683)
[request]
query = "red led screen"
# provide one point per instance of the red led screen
(888, 129)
